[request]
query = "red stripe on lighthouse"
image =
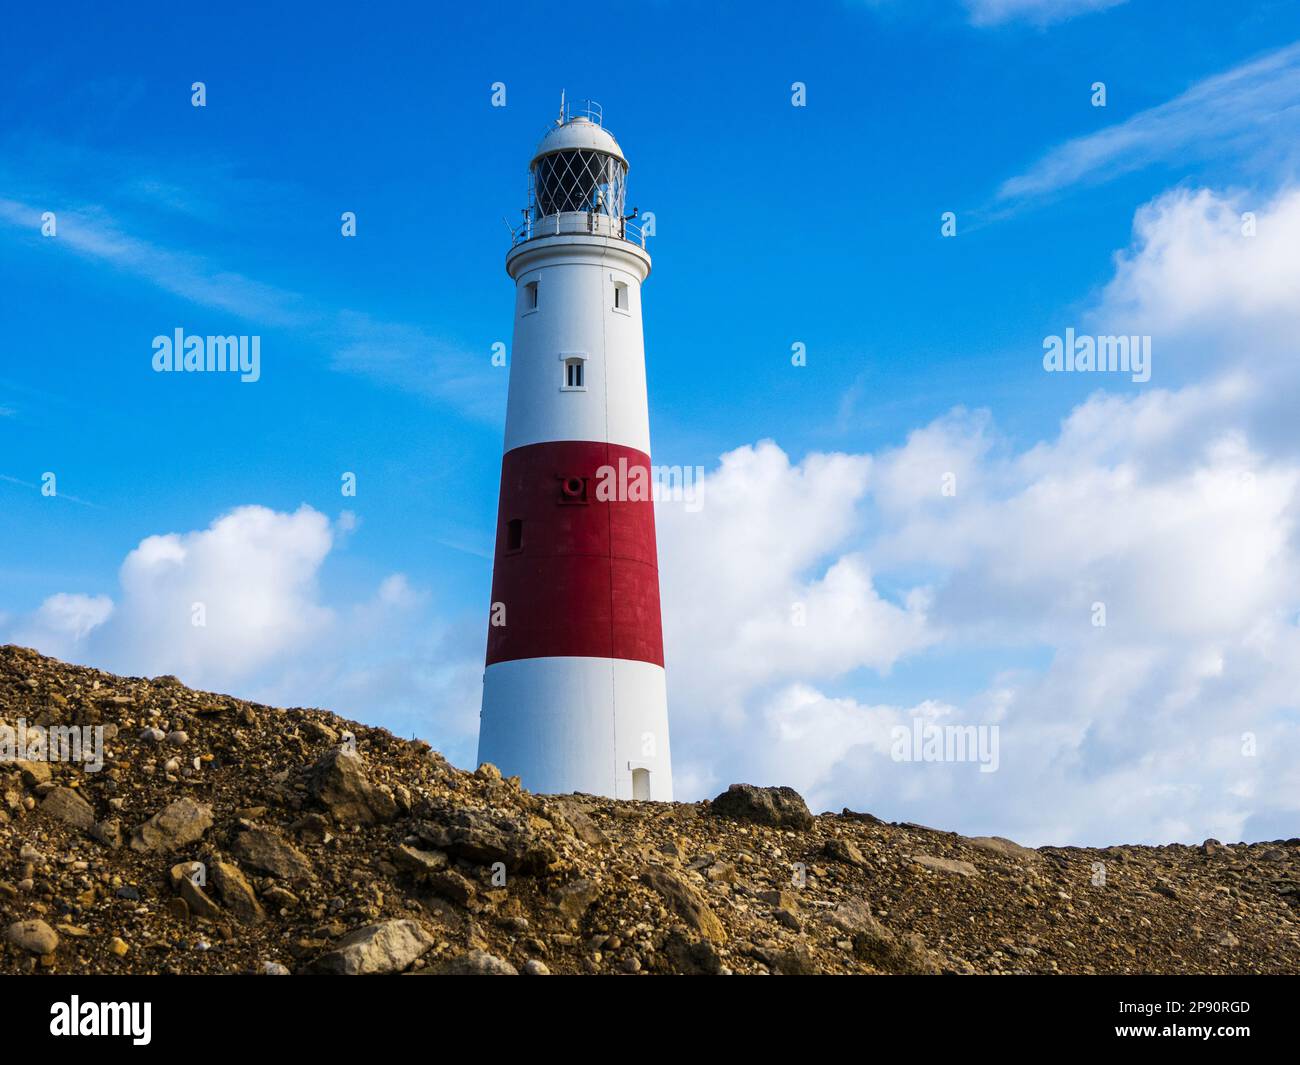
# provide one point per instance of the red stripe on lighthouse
(584, 578)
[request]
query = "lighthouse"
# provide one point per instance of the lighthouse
(574, 696)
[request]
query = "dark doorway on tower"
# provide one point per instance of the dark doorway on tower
(641, 784)
(514, 534)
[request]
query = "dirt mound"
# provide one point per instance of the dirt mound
(221, 836)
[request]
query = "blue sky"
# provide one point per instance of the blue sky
(775, 224)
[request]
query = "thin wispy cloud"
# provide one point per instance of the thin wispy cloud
(1250, 105)
(1039, 12)
(392, 353)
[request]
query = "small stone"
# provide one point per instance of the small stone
(64, 804)
(533, 967)
(198, 900)
(573, 899)
(118, 947)
(685, 901)
(177, 738)
(452, 885)
(237, 893)
(267, 850)
(152, 735)
(339, 782)
(419, 861)
(33, 773)
(34, 936)
(475, 963)
(108, 832)
(320, 733)
(843, 850)
(388, 947)
(172, 827)
(953, 866)
(273, 968)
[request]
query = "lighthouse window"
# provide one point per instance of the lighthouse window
(514, 534)
(574, 378)
(641, 784)
(620, 296)
(530, 296)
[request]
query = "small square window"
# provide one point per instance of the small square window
(515, 534)
(620, 296)
(530, 296)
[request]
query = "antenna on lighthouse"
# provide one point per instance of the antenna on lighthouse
(560, 121)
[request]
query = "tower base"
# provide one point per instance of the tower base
(555, 722)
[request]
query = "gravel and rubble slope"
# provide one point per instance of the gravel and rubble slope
(222, 836)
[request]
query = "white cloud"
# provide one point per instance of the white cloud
(1129, 731)
(1039, 12)
(1251, 105)
(253, 578)
(1177, 509)
(63, 620)
(755, 589)
(1192, 266)
(222, 602)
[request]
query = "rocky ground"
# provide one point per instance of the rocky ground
(225, 837)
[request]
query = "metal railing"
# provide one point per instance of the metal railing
(569, 223)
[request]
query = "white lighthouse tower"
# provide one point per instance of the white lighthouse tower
(573, 694)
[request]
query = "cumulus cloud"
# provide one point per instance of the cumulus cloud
(1137, 575)
(1162, 597)
(237, 607)
(756, 590)
(1202, 260)
(63, 620)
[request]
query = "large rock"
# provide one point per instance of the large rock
(387, 947)
(176, 825)
(877, 945)
(1006, 848)
(574, 899)
(951, 866)
(34, 773)
(484, 837)
(67, 806)
(237, 893)
(34, 936)
(778, 807)
(339, 782)
(684, 901)
(576, 818)
(417, 860)
(686, 956)
(271, 853)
